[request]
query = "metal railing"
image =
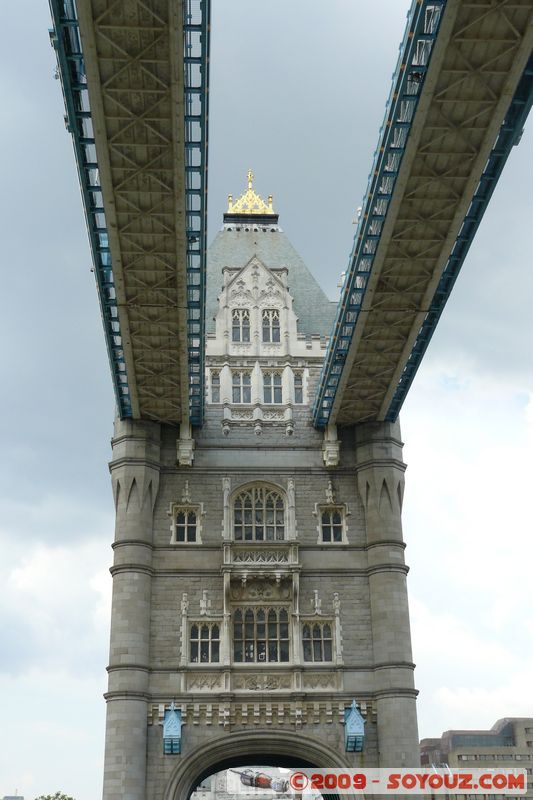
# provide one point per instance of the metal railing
(508, 136)
(65, 38)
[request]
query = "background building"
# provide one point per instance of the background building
(509, 743)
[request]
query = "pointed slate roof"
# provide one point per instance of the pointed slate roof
(234, 248)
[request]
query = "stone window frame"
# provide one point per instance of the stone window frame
(262, 638)
(272, 380)
(241, 386)
(240, 325)
(215, 386)
(298, 373)
(251, 487)
(322, 622)
(342, 508)
(200, 625)
(187, 508)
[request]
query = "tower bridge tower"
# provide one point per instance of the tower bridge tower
(259, 576)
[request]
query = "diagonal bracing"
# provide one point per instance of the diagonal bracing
(457, 105)
(136, 103)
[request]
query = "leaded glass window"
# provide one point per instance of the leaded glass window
(317, 641)
(260, 635)
(298, 387)
(215, 386)
(259, 515)
(240, 325)
(205, 643)
(185, 525)
(271, 329)
(272, 389)
(241, 386)
(331, 524)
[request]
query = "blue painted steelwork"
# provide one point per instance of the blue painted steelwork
(354, 729)
(509, 135)
(423, 21)
(196, 80)
(65, 38)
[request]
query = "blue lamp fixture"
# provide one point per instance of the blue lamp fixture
(172, 731)
(354, 729)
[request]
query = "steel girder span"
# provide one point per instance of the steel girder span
(135, 83)
(461, 93)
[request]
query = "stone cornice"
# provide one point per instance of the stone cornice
(118, 568)
(130, 461)
(132, 543)
(135, 667)
(127, 695)
(386, 463)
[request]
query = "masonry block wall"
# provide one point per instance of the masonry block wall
(259, 583)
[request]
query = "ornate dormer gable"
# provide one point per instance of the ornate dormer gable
(257, 372)
(255, 315)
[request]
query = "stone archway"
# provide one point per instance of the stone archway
(247, 748)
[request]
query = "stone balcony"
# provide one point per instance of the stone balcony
(273, 560)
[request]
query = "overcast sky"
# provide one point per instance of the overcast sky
(298, 92)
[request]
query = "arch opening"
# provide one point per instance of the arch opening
(254, 750)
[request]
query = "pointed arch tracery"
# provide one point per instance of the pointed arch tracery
(259, 514)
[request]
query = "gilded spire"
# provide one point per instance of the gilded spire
(250, 202)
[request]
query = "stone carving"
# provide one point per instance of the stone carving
(205, 603)
(206, 682)
(316, 602)
(186, 495)
(273, 415)
(261, 683)
(260, 557)
(261, 589)
(241, 296)
(185, 446)
(331, 447)
(238, 414)
(319, 681)
(271, 295)
(291, 508)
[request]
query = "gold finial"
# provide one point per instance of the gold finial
(250, 202)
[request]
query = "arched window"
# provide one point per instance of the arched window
(271, 329)
(258, 515)
(260, 635)
(240, 325)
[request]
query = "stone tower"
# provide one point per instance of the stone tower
(259, 576)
